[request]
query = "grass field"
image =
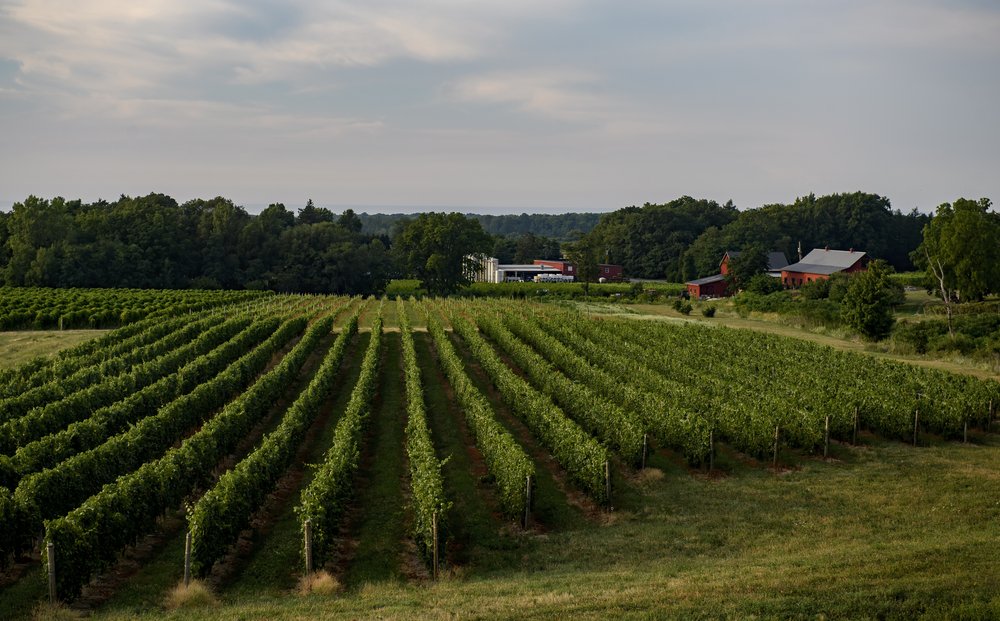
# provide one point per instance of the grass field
(19, 347)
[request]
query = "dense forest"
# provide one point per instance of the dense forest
(687, 237)
(154, 242)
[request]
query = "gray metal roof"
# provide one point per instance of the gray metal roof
(823, 261)
(706, 280)
(775, 260)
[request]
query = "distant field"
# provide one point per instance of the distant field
(21, 346)
(576, 464)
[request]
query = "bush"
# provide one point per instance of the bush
(708, 311)
(764, 284)
(685, 308)
(816, 290)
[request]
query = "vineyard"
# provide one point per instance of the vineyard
(245, 440)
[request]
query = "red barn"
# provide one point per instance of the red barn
(716, 286)
(820, 264)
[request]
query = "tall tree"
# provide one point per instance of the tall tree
(960, 252)
(745, 266)
(584, 256)
(867, 305)
(439, 249)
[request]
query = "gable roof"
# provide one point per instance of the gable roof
(775, 260)
(825, 261)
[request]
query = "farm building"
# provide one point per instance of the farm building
(717, 287)
(820, 264)
(492, 270)
(606, 271)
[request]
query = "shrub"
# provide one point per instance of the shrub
(684, 308)
(764, 284)
(708, 311)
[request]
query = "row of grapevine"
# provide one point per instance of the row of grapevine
(617, 428)
(504, 457)
(153, 342)
(325, 498)
(67, 362)
(40, 308)
(89, 538)
(745, 418)
(430, 506)
(80, 436)
(52, 492)
(582, 457)
(660, 405)
(81, 404)
(218, 517)
(824, 381)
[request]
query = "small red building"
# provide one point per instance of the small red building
(604, 270)
(717, 287)
(820, 264)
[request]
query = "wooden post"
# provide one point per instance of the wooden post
(308, 546)
(775, 462)
(187, 558)
(527, 502)
(916, 423)
(645, 449)
(50, 553)
(434, 528)
(711, 449)
(607, 483)
(857, 421)
(826, 441)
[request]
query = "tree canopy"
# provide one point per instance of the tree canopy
(961, 249)
(438, 249)
(153, 242)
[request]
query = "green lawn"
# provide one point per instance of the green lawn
(21, 346)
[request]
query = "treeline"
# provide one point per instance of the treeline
(559, 227)
(686, 238)
(154, 242)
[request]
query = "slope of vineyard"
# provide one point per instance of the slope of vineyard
(728, 463)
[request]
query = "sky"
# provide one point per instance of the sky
(500, 106)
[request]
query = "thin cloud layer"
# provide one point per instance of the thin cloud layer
(564, 104)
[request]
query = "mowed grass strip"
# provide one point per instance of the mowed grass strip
(382, 527)
(18, 347)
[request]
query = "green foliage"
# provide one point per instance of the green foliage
(576, 451)
(152, 242)
(425, 468)
(438, 250)
(325, 499)
(960, 250)
(762, 284)
(650, 241)
(708, 311)
(867, 306)
(816, 290)
(747, 265)
(90, 537)
(599, 416)
(226, 509)
(504, 457)
(856, 220)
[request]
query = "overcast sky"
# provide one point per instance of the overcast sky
(510, 105)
